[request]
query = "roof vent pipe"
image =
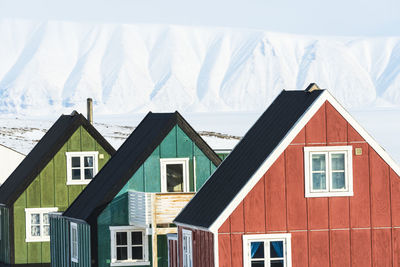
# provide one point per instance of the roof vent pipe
(90, 110)
(312, 87)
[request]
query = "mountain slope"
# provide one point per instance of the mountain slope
(54, 66)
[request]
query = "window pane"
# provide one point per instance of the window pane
(319, 181)
(337, 162)
(257, 263)
(88, 161)
(137, 253)
(276, 249)
(338, 180)
(46, 230)
(318, 162)
(46, 218)
(88, 173)
(136, 238)
(76, 161)
(76, 174)
(122, 238)
(257, 250)
(35, 218)
(276, 263)
(35, 230)
(174, 177)
(122, 253)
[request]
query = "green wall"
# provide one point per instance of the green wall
(4, 235)
(49, 189)
(147, 179)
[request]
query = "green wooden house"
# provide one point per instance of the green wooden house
(49, 179)
(123, 217)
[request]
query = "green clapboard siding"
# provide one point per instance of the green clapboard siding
(4, 235)
(49, 189)
(148, 179)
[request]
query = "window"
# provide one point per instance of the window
(187, 255)
(38, 224)
(270, 250)
(128, 246)
(328, 171)
(174, 175)
(74, 242)
(81, 167)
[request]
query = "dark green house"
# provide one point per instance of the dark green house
(48, 180)
(123, 216)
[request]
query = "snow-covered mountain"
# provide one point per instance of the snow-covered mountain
(54, 66)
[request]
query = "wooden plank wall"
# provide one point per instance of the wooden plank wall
(203, 248)
(49, 189)
(362, 230)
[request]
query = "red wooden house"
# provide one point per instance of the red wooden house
(306, 186)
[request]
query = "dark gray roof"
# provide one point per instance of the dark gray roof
(237, 169)
(126, 161)
(43, 152)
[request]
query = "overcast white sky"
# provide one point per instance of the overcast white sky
(333, 17)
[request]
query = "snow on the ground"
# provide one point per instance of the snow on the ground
(22, 133)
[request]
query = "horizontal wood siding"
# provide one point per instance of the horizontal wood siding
(361, 230)
(148, 179)
(49, 189)
(202, 247)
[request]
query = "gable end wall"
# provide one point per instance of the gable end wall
(362, 230)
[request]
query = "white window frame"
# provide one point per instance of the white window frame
(163, 167)
(187, 256)
(129, 262)
(74, 245)
(328, 192)
(287, 248)
(28, 213)
(82, 181)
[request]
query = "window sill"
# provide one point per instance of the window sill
(329, 194)
(130, 263)
(37, 240)
(85, 182)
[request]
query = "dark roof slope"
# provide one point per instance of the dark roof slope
(129, 157)
(237, 169)
(43, 152)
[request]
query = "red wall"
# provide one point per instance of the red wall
(203, 247)
(338, 231)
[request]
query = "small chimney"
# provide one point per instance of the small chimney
(90, 110)
(312, 87)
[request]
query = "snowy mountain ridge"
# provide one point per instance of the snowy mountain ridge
(54, 66)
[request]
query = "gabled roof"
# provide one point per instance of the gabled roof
(245, 159)
(130, 156)
(255, 154)
(43, 152)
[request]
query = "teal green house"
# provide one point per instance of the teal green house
(123, 216)
(48, 180)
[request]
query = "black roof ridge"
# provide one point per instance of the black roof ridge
(236, 170)
(131, 155)
(43, 152)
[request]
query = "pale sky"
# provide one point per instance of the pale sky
(319, 17)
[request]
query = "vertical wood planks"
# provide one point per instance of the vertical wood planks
(254, 209)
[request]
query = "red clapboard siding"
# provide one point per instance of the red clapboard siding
(237, 219)
(224, 249)
(396, 247)
(339, 214)
(299, 249)
(316, 128)
(237, 250)
(318, 213)
(336, 126)
(395, 199)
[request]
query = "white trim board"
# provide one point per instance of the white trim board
(279, 149)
